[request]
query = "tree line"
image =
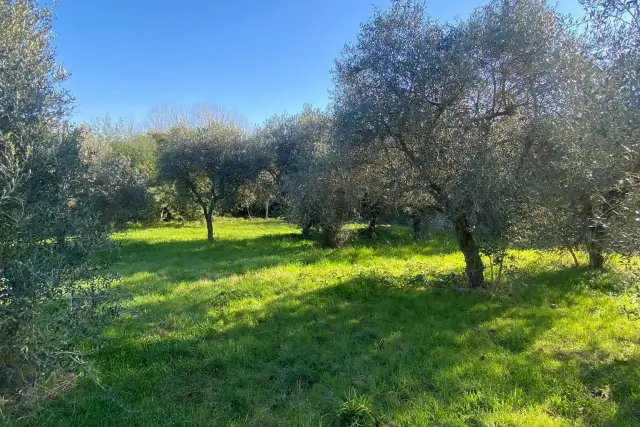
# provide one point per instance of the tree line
(517, 126)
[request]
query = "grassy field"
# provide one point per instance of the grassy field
(266, 329)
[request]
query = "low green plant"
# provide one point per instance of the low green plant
(355, 411)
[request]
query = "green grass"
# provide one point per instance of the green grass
(266, 329)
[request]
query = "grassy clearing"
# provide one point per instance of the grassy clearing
(263, 329)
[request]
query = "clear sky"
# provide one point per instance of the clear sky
(252, 57)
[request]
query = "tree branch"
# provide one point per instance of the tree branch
(195, 192)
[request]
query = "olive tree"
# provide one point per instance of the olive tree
(313, 181)
(321, 196)
(255, 196)
(266, 190)
(377, 180)
(596, 167)
(597, 141)
(258, 187)
(287, 140)
(205, 164)
(52, 241)
(613, 29)
(294, 155)
(463, 105)
(122, 171)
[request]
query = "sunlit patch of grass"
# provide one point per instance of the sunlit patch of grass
(265, 328)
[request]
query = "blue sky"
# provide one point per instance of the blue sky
(252, 57)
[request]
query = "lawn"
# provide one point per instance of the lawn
(264, 328)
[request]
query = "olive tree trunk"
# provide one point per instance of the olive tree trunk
(599, 216)
(596, 255)
(474, 269)
(208, 216)
(306, 230)
(420, 226)
(595, 236)
(373, 222)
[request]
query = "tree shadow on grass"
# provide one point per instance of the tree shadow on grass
(615, 380)
(419, 352)
(600, 385)
(166, 264)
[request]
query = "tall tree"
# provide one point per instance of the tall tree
(464, 105)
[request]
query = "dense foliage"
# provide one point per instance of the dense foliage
(205, 164)
(516, 127)
(53, 241)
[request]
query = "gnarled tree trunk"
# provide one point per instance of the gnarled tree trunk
(420, 225)
(596, 255)
(474, 269)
